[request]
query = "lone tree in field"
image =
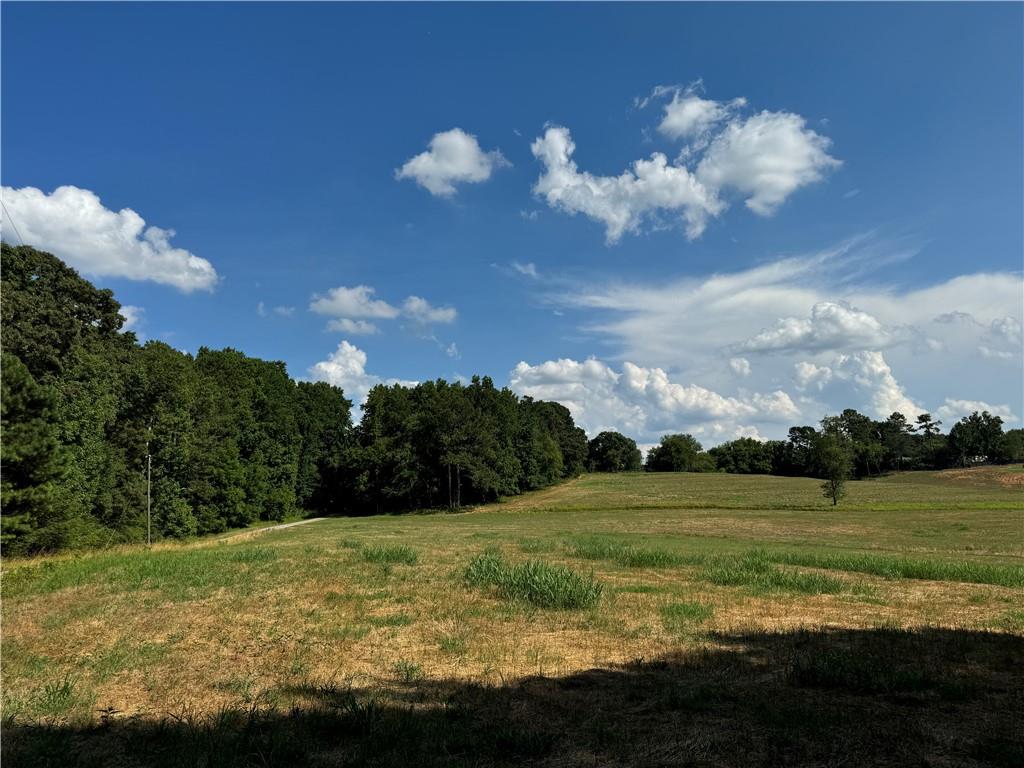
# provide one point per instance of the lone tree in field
(834, 463)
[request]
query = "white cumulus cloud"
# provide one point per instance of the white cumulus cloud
(832, 325)
(352, 302)
(454, 157)
(810, 375)
(740, 366)
(354, 327)
(688, 115)
(872, 373)
(766, 157)
(645, 402)
(346, 368)
(952, 410)
(622, 203)
(421, 311)
(74, 225)
(762, 158)
(805, 311)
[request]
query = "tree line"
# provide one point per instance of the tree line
(869, 447)
(232, 439)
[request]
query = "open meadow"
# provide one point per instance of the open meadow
(633, 619)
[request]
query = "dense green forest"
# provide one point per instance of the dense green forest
(233, 439)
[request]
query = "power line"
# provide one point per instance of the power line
(13, 225)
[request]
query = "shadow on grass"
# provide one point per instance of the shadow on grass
(844, 697)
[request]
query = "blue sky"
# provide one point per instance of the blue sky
(858, 237)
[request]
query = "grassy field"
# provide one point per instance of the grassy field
(629, 620)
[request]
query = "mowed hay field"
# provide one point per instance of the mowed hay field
(642, 619)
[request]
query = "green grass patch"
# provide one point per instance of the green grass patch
(454, 644)
(754, 570)
(254, 555)
(1012, 621)
(629, 556)
(126, 655)
(394, 620)
(676, 617)
(534, 582)
(536, 546)
(906, 567)
(391, 554)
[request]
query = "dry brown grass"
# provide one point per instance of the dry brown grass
(311, 609)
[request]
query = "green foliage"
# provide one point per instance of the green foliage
(33, 463)
(744, 456)
(534, 582)
(613, 452)
(679, 453)
(833, 460)
(233, 439)
(440, 444)
(976, 439)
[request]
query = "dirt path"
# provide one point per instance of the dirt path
(256, 531)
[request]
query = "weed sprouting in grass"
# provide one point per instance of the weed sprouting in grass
(534, 582)
(407, 671)
(56, 698)
(453, 643)
(676, 617)
(394, 620)
(390, 554)
(350, 544)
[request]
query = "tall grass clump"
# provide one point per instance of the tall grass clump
(395, 553)
(755, 570)
(534, 582)
(628, 556)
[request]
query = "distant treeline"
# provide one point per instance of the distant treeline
(868, 447)
(232, 438)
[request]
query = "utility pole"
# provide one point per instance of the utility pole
(149, 497)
